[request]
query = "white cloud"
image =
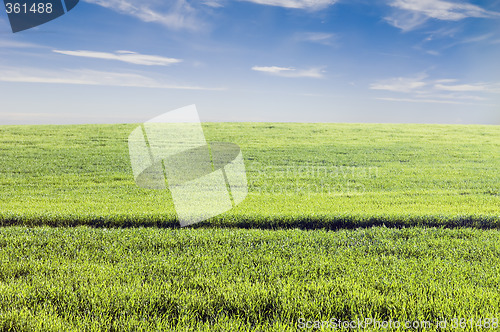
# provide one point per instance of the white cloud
(459, 96)
(64, 118)
(471, 40)
(431, 101)
(400, 84)
(444, 32)
(478, 87)
(17, 44)
(290, 72)
(406, 21)
(88, 77)
(439, 40)
(322, 38)
(443, 10)
(298, 4)
(177, 14)
(434, 53)
(273, 69)
(419, 89)
(446, 80)
(213, 3)
(411, 14)
(125, 56)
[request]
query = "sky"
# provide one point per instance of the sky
(361, 61)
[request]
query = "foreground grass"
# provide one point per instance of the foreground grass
(80, 279)
(300, 175)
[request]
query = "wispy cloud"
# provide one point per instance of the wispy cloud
(423, 100)
(433, 52)
(444, 32)
(401, 84)
(177, 14)
(298, 4)
(470, 40)
(446, 91)
(322, 38)
(439, 40)
(446, 80)
(406, 21)
(17, 44)
(213, 3)
(477, 87)
(88, 77)
(124, 56)
(411, 14)
(290, 72)
(65, 118)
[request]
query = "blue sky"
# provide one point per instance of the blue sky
(122, 61)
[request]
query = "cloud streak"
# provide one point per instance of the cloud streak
(63, 118)
(401, 84)
(442, 91)
(297, 4)
(17, 44)
(178, 14)
(411, 14)
(478, 87)
(124, 56)
(427, 101)
(89, 77)
(213, 3)
(322, 38)
(290, 72)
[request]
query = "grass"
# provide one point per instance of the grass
(308, 243)
(300, 175)
(135, 279)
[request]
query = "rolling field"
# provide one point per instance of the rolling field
(342, 221)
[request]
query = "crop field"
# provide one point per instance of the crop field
(342, 222)
(300, 175)
(82, 278)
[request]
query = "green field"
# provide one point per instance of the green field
(300, 175)
(76, 279)
(342, 221)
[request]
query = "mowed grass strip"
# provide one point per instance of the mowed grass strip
(300, 175)
(83, 279)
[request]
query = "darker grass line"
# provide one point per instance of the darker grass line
(262, 222)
